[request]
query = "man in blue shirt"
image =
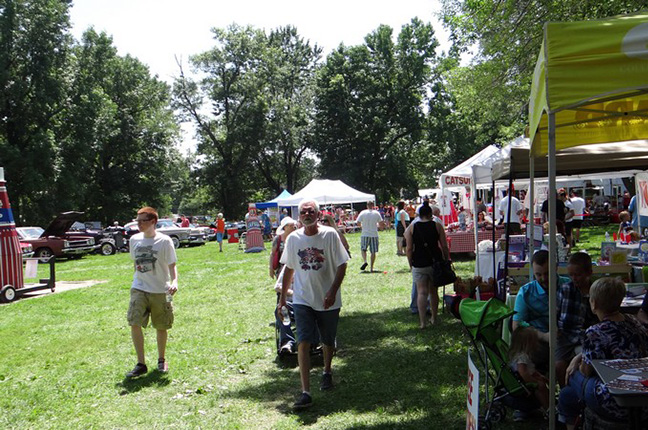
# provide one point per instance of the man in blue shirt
(532, 309)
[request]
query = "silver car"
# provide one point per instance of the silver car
(179, 235)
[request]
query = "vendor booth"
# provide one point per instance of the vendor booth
(589, 87)
(327, 192)
(273, 207)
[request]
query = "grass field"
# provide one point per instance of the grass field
(63, 356)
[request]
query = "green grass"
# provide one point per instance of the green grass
(63, 356)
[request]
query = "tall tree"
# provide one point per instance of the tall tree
(33, 52)
(370, 107)
(289, 79)
(507, 34)
(226, 106)
(116, 143)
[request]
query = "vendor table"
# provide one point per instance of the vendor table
(631, 399)
(464, 241)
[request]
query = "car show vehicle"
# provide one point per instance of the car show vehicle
(179, 235)
(55, 241)
(105, 239)
(27, 250)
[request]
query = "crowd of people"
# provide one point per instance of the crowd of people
(308, 262)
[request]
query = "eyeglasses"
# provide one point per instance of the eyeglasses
(307, 211)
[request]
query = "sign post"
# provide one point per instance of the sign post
(472, 399)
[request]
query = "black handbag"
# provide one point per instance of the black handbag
(443, 273)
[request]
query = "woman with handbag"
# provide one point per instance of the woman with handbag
(426, 245)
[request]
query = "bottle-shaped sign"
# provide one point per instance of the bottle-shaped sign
(11, 265)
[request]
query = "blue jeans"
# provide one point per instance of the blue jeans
(578, 393)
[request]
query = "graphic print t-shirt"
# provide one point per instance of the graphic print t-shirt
(315, 260)
(152, 257)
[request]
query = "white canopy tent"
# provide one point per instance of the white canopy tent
(327, 192)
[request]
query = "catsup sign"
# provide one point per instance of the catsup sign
(456, 180)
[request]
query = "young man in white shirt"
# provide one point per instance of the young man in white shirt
(368, 220)
(516, 211)
(155, 276)
(579, 207)
(315, 258)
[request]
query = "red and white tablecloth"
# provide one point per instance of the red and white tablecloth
(464, 241)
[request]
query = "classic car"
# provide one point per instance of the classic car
(209, 232)
(27, 250)
(179, 235)
(54, 240)
(105, 239)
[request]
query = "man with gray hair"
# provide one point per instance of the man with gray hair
(369, 219)
(315, 258)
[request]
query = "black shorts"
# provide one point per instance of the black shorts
(577, 223)
(568, 227)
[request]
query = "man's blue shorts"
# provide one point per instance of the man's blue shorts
(219, 237)
(315, 326)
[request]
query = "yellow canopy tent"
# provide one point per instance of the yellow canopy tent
(593, 75)
(590, 85)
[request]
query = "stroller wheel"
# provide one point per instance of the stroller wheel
(484, 424)
(497, 412)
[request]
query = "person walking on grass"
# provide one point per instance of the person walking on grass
(220, 231)
(315, 258)
(368, 220)
(155, 276)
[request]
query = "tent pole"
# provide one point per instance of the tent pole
(507, 235)
(553, 264)
(473, 198)
(531, 222)
(493, 233)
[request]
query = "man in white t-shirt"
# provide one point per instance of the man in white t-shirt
(155, 277)
(368, 220)
(579, 207)
(315, 257)
(516, 211)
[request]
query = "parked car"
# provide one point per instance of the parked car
(179, 235)
(55, 241)
(209, 232)
(104, 239)
(27, 250)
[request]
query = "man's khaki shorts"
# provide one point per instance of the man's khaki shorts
(143, 304)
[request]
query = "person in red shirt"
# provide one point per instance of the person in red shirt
(185, 221)
(220, 231)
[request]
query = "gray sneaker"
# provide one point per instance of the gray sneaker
(327, 382)
(304, 401)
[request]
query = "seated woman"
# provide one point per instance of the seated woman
(484, 221)
(617, 335)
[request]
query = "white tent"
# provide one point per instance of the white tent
(460, 176)
(325, 192)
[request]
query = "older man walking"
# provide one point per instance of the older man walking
(369, 219)
(316, 259)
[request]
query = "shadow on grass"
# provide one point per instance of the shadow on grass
(384, 366)
(151, 379)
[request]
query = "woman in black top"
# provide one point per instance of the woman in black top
(426, 243)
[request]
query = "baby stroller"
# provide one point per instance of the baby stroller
(287, 334)
(483, 321)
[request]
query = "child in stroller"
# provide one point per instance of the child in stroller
(524, 342)
(483, 321)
